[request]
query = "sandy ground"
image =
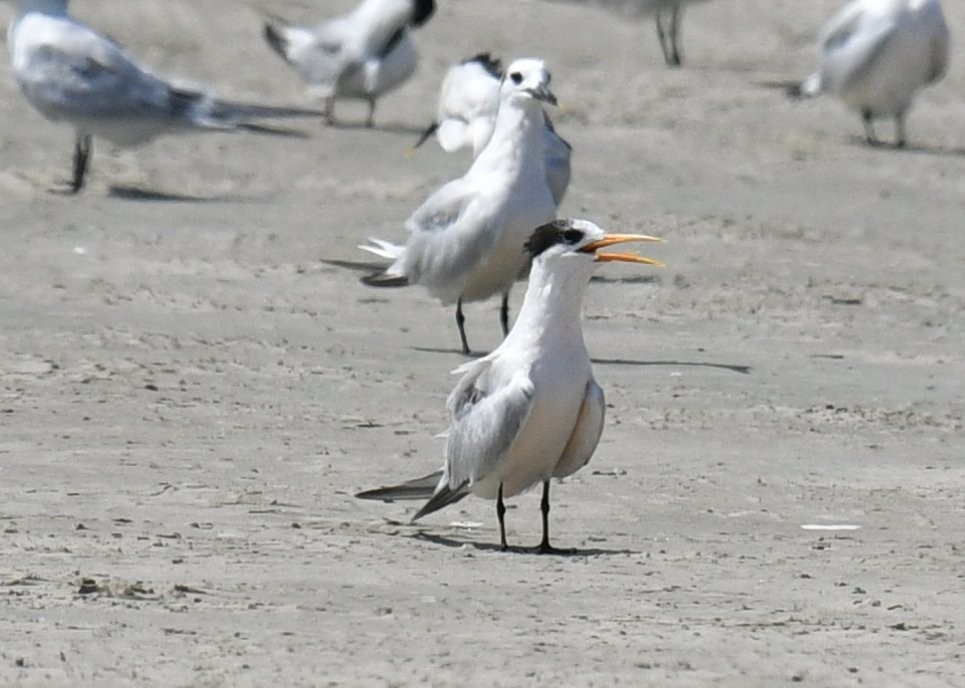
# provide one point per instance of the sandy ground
(189, 395)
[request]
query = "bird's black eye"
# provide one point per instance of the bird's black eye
(516, 77)
(572, 236)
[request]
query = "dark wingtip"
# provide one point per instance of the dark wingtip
(276, 40)
(381, 279)
(491, 64)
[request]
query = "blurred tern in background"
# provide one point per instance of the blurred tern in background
(70, 73)
(468, 102)
(466, 240)
(530, 411)
(667, 15)
(363, 55)
(877, 54)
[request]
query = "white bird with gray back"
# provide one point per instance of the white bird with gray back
(466, 240)
(72, 74)
(361, 55)
(530, 411)
(877, 54)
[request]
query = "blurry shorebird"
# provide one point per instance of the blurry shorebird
(530, 411)
(70, 73)
(877, 54)
(468, 102)
(466, 240)
(361, 55)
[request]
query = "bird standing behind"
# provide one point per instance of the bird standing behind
(877, 54)
(466, 240)
(667, 14)
(363, 54)
(530, 410)
(70, 73)
(468, 102)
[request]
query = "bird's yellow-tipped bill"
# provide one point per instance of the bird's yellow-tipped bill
(611, 239)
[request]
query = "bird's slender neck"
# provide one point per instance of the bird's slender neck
(552, 307)
(514, 136)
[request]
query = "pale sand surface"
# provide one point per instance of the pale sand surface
(189, 396)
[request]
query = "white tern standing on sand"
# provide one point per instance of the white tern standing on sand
(70, 73)
(667, 15)
(362, 55)
(877, 54)
(530, 411)
(468, 102)
(466, 240)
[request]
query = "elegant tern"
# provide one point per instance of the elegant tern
(529, 411)
(466, 240)
(361, 55)
(70, 73)
(877, 54)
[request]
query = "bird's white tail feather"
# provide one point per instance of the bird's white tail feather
(383, 249)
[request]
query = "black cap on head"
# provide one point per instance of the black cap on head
(422, 10)
(553, 233)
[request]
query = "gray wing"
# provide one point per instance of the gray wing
(849, 52)
(79, 73)
(486, 420)
(449, 234)
(586, 433)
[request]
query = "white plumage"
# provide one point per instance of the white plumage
(877, 54)
(362, 55)
(466, 240)
(70, 73)
(530, 411)
(468, 103)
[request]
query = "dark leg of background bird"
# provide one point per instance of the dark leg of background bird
(869, 128)
(501, 515)
(329, 115)
(504, 314)
(668, 25)
(82, 148)
(900, 130)
(370, 120)
(461, 323)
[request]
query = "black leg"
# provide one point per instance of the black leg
(329, 116)
(544, 506)
(370, 120)
(82, 149)
(675, 59)
(501, 515)
(504, 314)
(461, 322)
(667, 34)
(869, 128)
(900, 130)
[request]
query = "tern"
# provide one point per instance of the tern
(530, 411)
(468, 102)
(877, 54)
(362, 55)
(70, 73)
(667, 14)
(466, 240)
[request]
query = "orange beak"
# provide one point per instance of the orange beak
(611, 239)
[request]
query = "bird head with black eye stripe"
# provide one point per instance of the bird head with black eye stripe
(582, 238)
(527, 79)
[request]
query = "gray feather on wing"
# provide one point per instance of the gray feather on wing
(485, 422)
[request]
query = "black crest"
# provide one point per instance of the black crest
(489, 63)
(422, 10)
(552, 233)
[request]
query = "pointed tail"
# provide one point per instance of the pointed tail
(426, 487)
